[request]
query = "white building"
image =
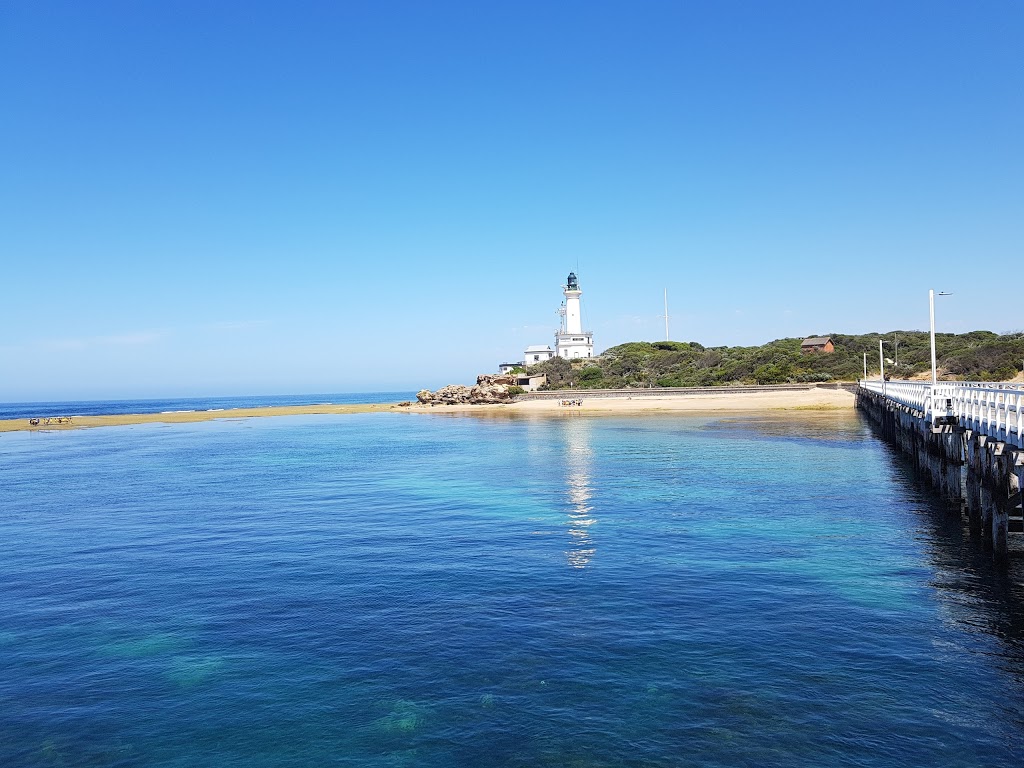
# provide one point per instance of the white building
(571, 340)
(538, 353)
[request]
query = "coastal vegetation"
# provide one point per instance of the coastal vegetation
(978, 355)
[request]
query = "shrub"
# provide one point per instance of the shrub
(671, 346)
(772, 373)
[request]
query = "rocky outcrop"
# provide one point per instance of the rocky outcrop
(488, 390)
(494, 378)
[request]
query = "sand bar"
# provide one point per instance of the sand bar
(186, 417)
(719, 402)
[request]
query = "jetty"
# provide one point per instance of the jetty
(966, 439)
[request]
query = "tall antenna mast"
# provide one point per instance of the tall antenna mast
(666, 315)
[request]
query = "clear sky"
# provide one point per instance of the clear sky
(255, 197)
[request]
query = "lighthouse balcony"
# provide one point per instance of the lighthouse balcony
(582, 336)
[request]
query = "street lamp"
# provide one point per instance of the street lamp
(881, 367)
(931, 313)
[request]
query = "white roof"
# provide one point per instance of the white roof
(539, 348)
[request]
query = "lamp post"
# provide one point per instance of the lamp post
(931, 316)
(881, 366)
(865, 365)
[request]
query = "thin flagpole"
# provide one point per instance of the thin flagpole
(666, 315)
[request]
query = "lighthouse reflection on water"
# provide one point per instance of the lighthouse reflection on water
(579, 490)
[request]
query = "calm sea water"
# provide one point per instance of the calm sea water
(430, 590)
(102, 407)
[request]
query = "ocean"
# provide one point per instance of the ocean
(403, 589)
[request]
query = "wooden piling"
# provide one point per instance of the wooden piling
(973, 445)
(973, 473)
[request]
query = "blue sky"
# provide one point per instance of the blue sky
(244, 198)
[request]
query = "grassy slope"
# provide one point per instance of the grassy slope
(979, 355)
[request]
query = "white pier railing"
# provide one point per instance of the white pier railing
(994, 409)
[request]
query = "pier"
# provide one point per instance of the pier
(967, 440)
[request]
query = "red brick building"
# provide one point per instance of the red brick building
(822, 344)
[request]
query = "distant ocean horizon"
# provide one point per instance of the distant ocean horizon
(44, 409)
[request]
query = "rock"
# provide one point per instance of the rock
(486, 391)
(453, 394)
(492, 378)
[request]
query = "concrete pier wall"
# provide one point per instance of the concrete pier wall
(976, 475)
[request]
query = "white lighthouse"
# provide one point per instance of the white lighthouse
(571, 340)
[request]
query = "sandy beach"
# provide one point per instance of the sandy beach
(804, 400)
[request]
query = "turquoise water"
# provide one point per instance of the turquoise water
(435, 590)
